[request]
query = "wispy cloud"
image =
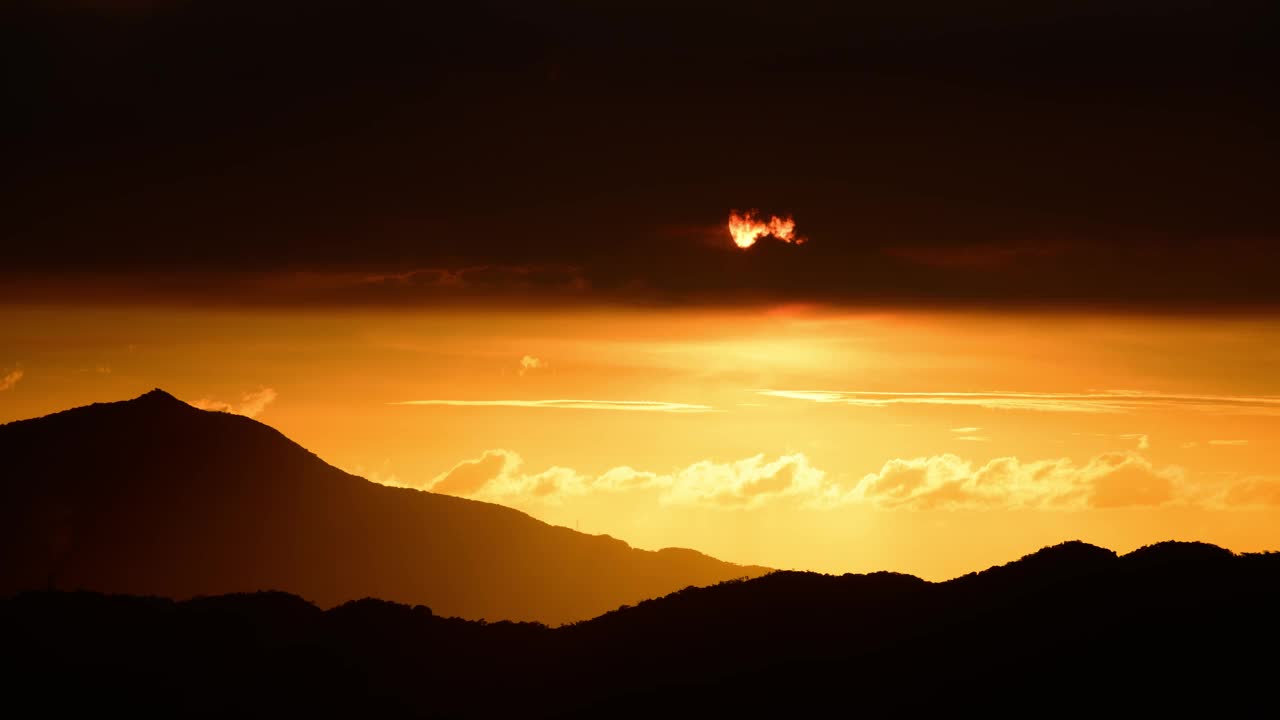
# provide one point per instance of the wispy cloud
(974, 438)
(1253, 491)
(8, 380)
(97, 369)
(980, 256)
(966, 430)
(382, 476)
(1229, 442)
(1109, 401)
(251, 403)
(623, 405)
(1144, 440)
(529, 362)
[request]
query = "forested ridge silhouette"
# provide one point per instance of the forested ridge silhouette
(1170, 627)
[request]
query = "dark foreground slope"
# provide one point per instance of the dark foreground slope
(1069, 631)
(152, 496)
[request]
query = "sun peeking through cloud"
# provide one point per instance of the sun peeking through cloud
(749, 226)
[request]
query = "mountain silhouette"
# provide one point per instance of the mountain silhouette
(151, 496)
(1069, 630)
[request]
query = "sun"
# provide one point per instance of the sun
(747, 227)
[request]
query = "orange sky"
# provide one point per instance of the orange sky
(795, 437)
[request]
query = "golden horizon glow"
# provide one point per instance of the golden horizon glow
(805, 438)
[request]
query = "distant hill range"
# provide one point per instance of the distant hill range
(1174, 629)
(151, 496)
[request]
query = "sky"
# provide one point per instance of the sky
(1002, 275)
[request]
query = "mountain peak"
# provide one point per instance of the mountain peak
(158, 401)
(1175, 553)
(156, 396)
(1051, 563)
(156, 497)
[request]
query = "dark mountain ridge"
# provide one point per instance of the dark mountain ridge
(154, 497)
(1173, 627)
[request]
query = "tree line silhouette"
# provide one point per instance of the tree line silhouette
(1070, 628)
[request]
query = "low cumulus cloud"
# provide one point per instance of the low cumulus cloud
(469, 476)
(1120, 479)
(939, 482)
(381, 475)
(1249, 491)
(500, 476)
(251, 403)
(9, 379)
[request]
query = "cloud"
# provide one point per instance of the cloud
(484, 279)
(965, 430)
(381, 477)
(251, 403)
(1251, 492)
(529, 362)
(974, 438)
(939, 482)
(1144, 441)
(10, 379)
(979, 256)
(469, 476)
(1110, 401)
(97, 369)
(949, 482)
(749, 226)
(1235, 443)
(622, 405)
(498, 476)
(746, 483)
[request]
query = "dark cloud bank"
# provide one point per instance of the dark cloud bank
(1085, 153)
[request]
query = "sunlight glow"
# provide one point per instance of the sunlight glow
(747, 227)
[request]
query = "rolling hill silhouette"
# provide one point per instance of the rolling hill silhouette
(154, 497)
(1072, 629)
